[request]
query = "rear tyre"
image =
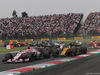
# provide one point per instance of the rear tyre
(46, 54)
(55, 53)
(83, 50)
(74, 52)
(31, 57)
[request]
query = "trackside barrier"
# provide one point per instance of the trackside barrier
(78, 38)
(87, 38)
(61, 38)
(27, 40)
(21, 40)
(70, 38)
(95, 37)
(0, 40)
(37, 39)
(13, 40)
(46, 39)
(54, 39)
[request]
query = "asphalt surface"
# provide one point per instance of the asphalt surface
(84, 66)
(9, 66)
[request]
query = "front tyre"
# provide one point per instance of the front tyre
(83, 50)
(46, 54)
(55, 53)
(7, 57)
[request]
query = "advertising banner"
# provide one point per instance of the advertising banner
(61, 38)
(46, 39)
(95, 37)
(0, 40)
(78, 37)
(28, 40)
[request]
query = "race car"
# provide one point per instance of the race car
(16, 44)
(30, 54)
(57, 48)
(95, 44)
(33, 43)
(52, 48)
(46, 43)
(74, 49)
(22, 56)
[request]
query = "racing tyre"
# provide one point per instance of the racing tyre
(46, 54)
(74, 52)
(55, 53)
(7, 56)
(31, 57)
(83, 50)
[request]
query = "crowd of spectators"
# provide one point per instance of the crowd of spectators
(91, 24)
(39, 26)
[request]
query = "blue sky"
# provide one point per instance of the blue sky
(45, 7)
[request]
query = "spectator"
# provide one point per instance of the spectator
(39, 26)
(91, 24)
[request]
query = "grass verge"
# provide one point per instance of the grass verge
(4, 50)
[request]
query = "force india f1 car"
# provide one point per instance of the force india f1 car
(30, 55)
(26, 55)
(74, 49)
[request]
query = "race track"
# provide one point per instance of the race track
(74, 65)
(84, 66)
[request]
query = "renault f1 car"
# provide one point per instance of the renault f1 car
(74, 49)
(54, 47)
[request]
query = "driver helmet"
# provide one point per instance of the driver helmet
(76, 41)
(94, 41)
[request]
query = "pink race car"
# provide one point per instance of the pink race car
(23, 56)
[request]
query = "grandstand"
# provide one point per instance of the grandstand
(49, 26)
(91, 25)
(57, 25)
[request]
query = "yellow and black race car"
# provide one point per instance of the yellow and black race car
(74, 49)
